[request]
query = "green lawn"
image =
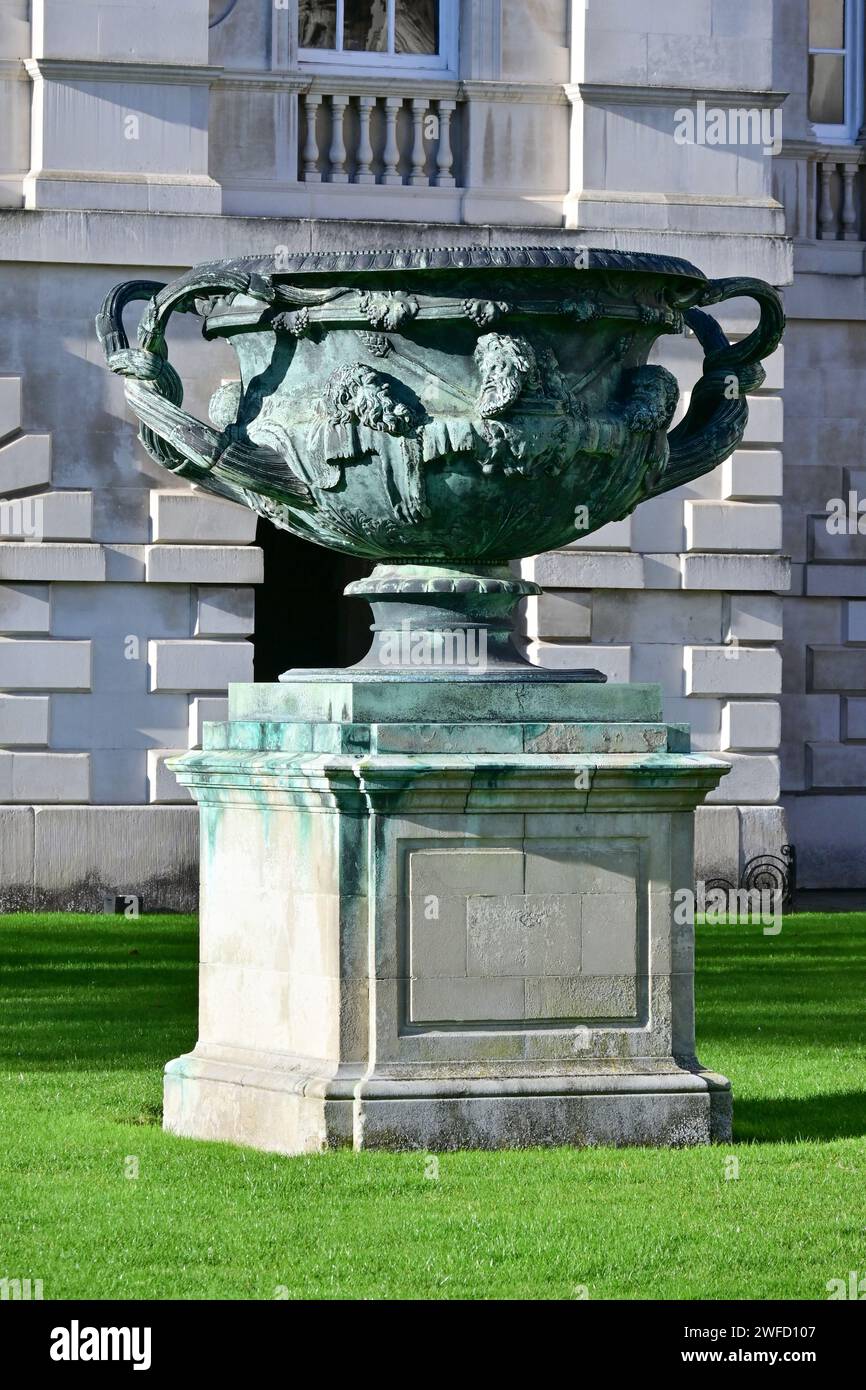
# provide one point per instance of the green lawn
(91, 1008)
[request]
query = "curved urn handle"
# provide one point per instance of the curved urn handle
(217, 460)
(718, 412)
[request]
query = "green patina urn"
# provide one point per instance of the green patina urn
(443, 412)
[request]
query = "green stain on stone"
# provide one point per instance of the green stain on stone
(211, 815)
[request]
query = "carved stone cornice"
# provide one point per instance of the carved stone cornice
(821, 152)
(635, 94)
(261, 79)
(380, 85)
(549, 93)
(89, 70)
(266, 79)
(392, 84)
(13, 70)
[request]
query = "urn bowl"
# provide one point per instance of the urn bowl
(443, 412)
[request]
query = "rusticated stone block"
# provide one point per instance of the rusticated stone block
(198, 665)
(733, 526)
(10, 406)
(23, 719)
(657, 617)
(25, 462)
(752, 473)
(755, 618)
(225, 612)
(162, 785)
(838, 668)
(736, 572)
(204, 564)
(52, 560)
(188, 516)
(559, 613)
(24, 608)
(33, 665)
(45, 778)
(754, 778)
(751, 724)
(734, 670)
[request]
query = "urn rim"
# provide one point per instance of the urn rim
(578, 257)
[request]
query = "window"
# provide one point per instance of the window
(377, 34)
(836, 68)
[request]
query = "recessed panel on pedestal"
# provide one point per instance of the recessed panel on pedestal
(537, 932)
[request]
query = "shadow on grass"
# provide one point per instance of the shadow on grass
(787, 1120)
(802, 989)
(790, 1006)
(100, 993)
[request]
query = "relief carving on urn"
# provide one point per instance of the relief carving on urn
(444, 412)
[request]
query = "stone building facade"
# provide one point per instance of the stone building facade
(138, 137)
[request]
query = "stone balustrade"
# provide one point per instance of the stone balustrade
(821, 189)
(352, 136)
(839, 203)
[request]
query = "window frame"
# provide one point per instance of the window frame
(849, 129)
(441, 64)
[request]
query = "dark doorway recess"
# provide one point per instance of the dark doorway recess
(302, 618)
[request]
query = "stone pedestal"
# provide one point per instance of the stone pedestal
(438, 914)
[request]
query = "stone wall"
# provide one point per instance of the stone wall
(823, 706)
(125, 608)
(823, 750)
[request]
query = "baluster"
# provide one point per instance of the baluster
(391, 153)
(445, 156)
(337, 152)
(807, 195)
(850, 228)
(419, 154)
(364, 173)
(311, 144)
(826, 215)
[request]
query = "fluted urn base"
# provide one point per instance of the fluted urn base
(451, 619)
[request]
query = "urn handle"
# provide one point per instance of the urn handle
(716, 420)
(217, 460)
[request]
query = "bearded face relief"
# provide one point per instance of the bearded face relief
(507, 364)
(358, 395)
(654, 393)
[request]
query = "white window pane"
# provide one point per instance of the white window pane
(365, 26)
(317, 23)
(416, 26)
(827, 89)
(826, 24)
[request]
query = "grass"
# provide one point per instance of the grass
(91, 1008)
